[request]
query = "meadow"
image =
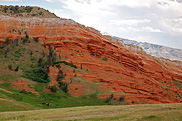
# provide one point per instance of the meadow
(146, 112)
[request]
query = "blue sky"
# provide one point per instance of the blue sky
(153, 21)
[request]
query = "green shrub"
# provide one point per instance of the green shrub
(69, 64)
(81, 66)
(17, 68)
(121, 98)
(107, 99)
(10, 67)
(25, 92)
(26, 38)
(53, 88)
(36, 39)
(39, 75)
(111, 96)
(58, 66)
(105, 59)
(63, 86)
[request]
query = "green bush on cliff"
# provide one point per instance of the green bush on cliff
(105, 59)
(37, 74)
(53, 88)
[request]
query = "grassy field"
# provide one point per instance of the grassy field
(147, 112)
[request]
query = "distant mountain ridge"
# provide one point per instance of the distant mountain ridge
(156, 50)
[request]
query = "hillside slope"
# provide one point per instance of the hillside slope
(26, 11)
(156, 50)
(105, 65)
(31, 77)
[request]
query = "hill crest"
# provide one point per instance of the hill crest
(26, 11)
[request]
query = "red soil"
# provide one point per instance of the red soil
(76, 89)
(53, 74)
(129, 71)
(20, 85)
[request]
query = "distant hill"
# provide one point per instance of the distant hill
(156, 50)
(26, 11)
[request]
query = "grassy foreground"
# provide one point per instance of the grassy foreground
(147, 112)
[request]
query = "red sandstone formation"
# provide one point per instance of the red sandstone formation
(128, 72)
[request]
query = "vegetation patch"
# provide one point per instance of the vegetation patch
(67, 63)
(105, 59)
(179, 84)
(25, 11)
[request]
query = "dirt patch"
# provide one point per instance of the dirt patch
(1, 98)
(20, 85)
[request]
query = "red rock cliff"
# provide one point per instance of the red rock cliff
(128, 71)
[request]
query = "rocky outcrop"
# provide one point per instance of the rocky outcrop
(116, 69)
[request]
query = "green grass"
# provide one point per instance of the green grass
(10, 105)
(57, 100)
(147, 112)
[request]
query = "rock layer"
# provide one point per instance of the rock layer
(115, 68)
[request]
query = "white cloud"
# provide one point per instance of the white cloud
(170, 7)
(137, 29)
(49, 0)
(129, 22)
(61, 13)
(141, 38)
(130, 3)
(173, 25)
(150, 29)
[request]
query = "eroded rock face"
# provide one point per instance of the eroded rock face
(124, 72)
